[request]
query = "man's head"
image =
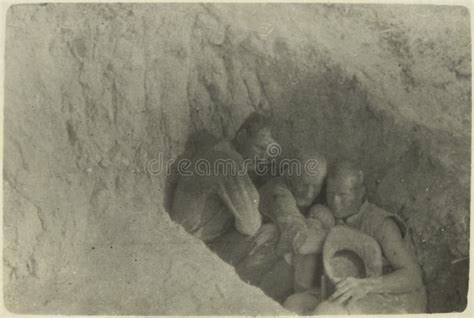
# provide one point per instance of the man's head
(306, 186)
(254, 137)
(345, 189)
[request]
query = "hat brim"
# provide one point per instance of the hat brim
(348, 252)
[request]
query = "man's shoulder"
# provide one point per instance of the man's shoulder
(375, 210)
(204, 172)
(220, 150)
(375, 217)
(276, 198)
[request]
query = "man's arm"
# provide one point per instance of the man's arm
(305, 236)
(406, 276)
(290, 221)
(240, 196)
(319, 222)
(407, 273)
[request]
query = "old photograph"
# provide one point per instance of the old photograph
(236, 159)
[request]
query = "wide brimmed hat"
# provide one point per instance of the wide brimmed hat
(348, 252)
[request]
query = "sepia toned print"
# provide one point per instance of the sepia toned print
(236, 159)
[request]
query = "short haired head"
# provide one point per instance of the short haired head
(346, 189)
(347, 170)
(307, 185)
(254, 137)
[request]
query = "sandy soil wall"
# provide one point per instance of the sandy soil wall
(94, 92)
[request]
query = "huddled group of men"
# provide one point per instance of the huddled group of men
(258, 223)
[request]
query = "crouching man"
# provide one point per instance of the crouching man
(291, 233)
(218, 201)
(289, 202)
(400, 289)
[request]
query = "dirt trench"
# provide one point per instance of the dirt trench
(95, 94)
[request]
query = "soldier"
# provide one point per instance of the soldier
(218, 192)
(289, 202)
(400, 289)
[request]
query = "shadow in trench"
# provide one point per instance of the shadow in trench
(198, 141)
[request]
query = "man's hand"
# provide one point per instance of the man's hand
(350, 289)
(309, 241)
(323, 215)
